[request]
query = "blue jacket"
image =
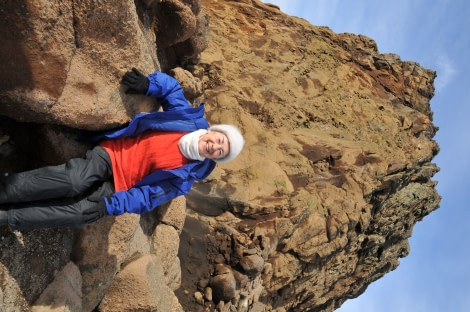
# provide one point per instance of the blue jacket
(162, 185)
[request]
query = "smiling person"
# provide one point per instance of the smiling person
(155, 158)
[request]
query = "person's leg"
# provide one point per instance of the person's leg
(65, 213)
(3, 217)
(63, 181)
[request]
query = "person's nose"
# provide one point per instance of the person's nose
(215, 146)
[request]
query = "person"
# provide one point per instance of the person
(153, 159)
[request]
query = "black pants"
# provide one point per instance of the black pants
(58, 195)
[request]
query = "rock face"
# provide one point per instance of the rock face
(335, 174)
(65, 58)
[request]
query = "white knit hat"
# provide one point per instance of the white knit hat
(235, 139)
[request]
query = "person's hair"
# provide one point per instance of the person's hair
(235, 138)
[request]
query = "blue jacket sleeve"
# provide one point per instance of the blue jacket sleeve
(167, 90)
(145, 198)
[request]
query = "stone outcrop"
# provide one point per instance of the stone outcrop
(64, 291)
(337, 167)
(335, 174)
(66, 58)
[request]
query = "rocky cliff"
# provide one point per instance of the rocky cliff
(335, 174)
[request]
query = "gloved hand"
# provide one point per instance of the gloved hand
(95, 212)
(136, 81)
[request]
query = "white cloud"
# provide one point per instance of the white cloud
(446, 72)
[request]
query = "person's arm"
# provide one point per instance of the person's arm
(168, 91)
(145, 198)
(163, 87)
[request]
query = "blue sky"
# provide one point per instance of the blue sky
(435, 277)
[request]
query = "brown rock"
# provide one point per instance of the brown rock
(64, 293)
(165, 245)
(173, 213)
(100, 250)
(70, 76)
(197, 43)
(223, 287)
(316, 174)
(191, 85)
(252, 264)
(176, 22)
(139, 287)
(208, 293)
(199, 297)
(63, 76)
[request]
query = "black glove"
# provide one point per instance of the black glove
(136, 81)
(96, 212)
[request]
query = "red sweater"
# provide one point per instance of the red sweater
(135, 158)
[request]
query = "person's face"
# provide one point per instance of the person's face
(213, 145)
